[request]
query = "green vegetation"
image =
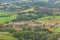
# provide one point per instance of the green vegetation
(6, 36)
(57, 29)
(7, 16)
(28, 20)
(49, 19)
(7, 19)
(6, 13)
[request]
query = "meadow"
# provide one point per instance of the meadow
(49, 19)
(4, 16)
(6, 36)
(57, 29)
(6, 13)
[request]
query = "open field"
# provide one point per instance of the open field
(6, 36)
(57, 29)
(49, 19)
(7, 18)
(6, 13)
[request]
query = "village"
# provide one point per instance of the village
(35, 24)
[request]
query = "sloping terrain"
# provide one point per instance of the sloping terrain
(6, 36)
(7, 16)
(49, 19)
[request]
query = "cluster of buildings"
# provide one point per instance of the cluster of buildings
(35, 24)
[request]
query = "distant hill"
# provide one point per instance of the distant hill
(18, 5)
(29, 9)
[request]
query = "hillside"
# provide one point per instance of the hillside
(49, 19)
(7, 16)
(29, 19)
(6, 36)
(18, 5)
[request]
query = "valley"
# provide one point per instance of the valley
(29, 19)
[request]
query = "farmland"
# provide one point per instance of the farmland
(57, 29)
(49, 19)
(29, 19)
(6, 18)
(6, 36)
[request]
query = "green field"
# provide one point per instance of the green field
(6, 13)
(57, 29)
(6, 36)
(53, 20)
(56, 19)
(8, 18)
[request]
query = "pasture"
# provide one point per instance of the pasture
(6, 36)
(49, 19)
(4, 16)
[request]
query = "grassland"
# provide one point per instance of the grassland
(6, 13)
(57, 29)
(49, 19)
(7, 18)
(56, 19)
(6, 36)
(28, 10)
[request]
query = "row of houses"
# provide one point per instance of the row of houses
(34, 24)
(31, 24)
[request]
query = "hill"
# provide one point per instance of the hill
(6, 36)
(18, 5)
(49, 19)
(7, 16)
